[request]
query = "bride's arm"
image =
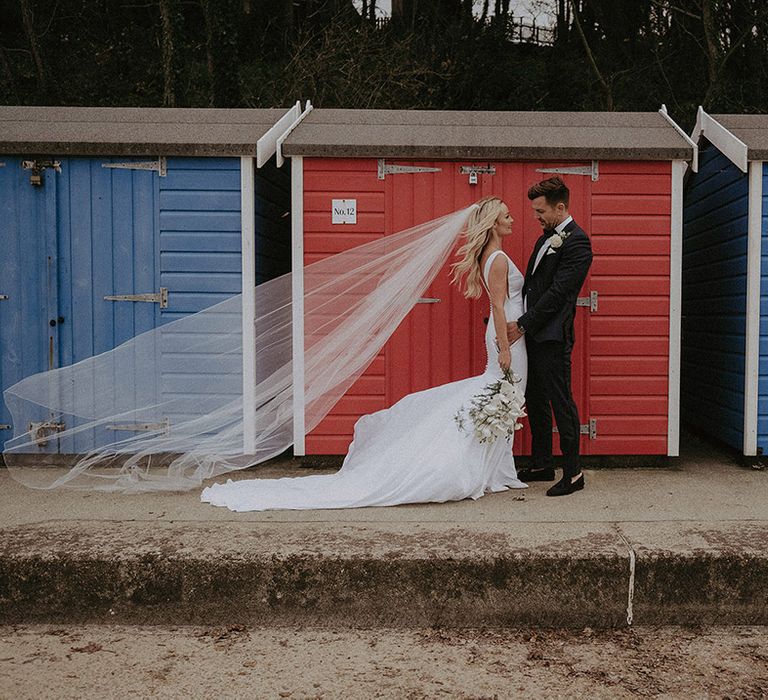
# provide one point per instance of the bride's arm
(497, 287)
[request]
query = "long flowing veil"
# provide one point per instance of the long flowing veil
(164, 410)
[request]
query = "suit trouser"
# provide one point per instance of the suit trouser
(548, 391)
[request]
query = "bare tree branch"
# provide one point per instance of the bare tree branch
(669, 6)
(28, 19)
(591, 58)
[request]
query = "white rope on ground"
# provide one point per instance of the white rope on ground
(631, 587)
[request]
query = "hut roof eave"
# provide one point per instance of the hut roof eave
(133, 131)
(487, 135)
(752, 129)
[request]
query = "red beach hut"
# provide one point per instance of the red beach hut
(358, 175)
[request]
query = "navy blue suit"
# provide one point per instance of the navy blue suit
(550, 292)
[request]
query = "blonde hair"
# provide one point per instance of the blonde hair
(478, 233)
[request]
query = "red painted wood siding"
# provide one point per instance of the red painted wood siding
(325, 180)
(621, 360)
(629, 335)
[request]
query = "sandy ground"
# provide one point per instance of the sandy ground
(235, 662)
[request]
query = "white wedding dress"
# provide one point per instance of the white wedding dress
(412, 452)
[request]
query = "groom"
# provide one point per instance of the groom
(556, 270)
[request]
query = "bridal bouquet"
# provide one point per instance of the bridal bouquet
(494, 412)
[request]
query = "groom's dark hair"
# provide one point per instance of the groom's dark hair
(553, 189)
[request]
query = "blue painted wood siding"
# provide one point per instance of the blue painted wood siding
(105, 240)
(714, 298)
(91, 231)
(106, 246)
(200, 261)
(199, 224)
(762, 398)
(26, 217)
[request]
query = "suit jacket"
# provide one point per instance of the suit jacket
(551, 290)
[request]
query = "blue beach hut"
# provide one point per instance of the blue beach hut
(116, 220)
(724, 383)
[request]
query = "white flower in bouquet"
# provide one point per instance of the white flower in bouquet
(495, 411)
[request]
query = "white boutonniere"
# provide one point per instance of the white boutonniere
(556, 240)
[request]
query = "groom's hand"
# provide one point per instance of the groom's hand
(513, 332)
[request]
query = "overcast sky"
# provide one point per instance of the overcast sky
(522, 8)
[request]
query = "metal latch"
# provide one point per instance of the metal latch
(585, 429)
(5, 426)
(590, 301)
(429, 300)
(37, 167)
(163, 427)
(385, 169)
(474, 170)
(41, 431)
(3, 297)
(593, 171)
(160, 297)
(159, 165)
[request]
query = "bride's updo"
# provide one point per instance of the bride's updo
(478, 233)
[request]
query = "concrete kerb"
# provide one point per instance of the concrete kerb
(351, 576)
(684, 546)
(368, 577)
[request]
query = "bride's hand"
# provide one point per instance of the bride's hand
(505, 359)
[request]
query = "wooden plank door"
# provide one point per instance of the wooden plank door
(437, 342)
(444, 341)
(28, 269)
(516, 192)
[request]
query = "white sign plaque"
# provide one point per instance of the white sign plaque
(344, 211)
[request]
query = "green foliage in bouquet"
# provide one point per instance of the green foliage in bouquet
(495, 411)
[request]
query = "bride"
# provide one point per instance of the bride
(413, 452)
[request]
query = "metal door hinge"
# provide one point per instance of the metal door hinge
(5, 426)
(385, 169)
(429, 300)
(159, 166)
(37, 167)
(585, 429)
(41, 431)
(593, 171)
(3, 297)
(160, 297)
(163, 427)
(590, 301)
(474, 170)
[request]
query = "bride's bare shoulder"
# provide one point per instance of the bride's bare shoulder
(485, 257)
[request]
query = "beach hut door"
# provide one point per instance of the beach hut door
(30, 318)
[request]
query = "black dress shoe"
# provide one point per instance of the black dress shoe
(564, 487)
(546, 474)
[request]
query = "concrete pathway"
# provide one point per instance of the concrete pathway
(686, 545)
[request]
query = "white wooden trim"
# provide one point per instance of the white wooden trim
(699, 126)
(695, 155)
(248, 257)
(287, 132)
(675, 307)
(752, 349)
(727, 143)
(297, 266)
(266, 146)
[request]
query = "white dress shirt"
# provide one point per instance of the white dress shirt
(543, 250)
